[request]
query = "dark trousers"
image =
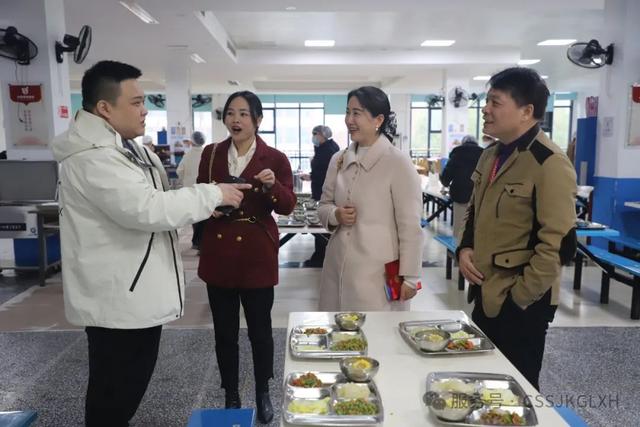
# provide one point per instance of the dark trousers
(321, 241)
(121, 362)
(519, 334)
(198, 229)
(225, 308)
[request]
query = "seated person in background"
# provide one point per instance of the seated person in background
(147, 141)
(457, 175)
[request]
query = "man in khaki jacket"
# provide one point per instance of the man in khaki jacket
(520, 225)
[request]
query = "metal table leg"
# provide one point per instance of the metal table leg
(42, 251)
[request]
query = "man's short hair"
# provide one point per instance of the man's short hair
(102, 82)
(323, 130)
(198, 138)
(525, 87)
(469, 138)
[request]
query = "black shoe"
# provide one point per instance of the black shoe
(312, 263)
(265, 409)
(232, 400)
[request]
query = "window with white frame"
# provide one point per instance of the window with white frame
(287, 126)
(426, 129)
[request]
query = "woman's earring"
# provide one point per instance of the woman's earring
(377, 128)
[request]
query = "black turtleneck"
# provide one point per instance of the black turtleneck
(505, 150)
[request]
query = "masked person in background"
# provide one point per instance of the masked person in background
(324, 148)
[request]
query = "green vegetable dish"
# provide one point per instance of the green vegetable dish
(353, 344)
(356, 407)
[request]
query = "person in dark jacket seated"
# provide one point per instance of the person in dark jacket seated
(457, 175)
(324, 148)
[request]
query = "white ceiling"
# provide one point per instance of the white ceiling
(377, 41)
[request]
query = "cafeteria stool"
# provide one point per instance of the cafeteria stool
(17, 418)
(571, 417)
(244, 417)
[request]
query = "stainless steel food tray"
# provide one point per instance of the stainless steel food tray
(301, 344)
(482, 343)
(437, 382)
(332, 381)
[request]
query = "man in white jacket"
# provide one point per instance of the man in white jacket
(121, 267)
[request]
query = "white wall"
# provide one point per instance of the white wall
(43, 22)
(614, 158)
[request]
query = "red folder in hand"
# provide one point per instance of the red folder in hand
(393, 280)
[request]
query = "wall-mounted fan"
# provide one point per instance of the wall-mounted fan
(17, 47)
(200, 100)
(78, 45)
(157, 100)
(458, 97)
(435, 101)
(590, 55)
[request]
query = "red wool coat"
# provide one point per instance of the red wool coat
(235, 251)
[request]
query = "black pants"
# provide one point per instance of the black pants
(519, 334)
(198, 229)
(225, 308)
(321, 241)
(121, 362)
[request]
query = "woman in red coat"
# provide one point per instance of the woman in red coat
(239, 250)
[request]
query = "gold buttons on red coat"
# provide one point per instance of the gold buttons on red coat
(274, 199)
(219, 236)
(239, 239)
(255, 189)
(241, 213)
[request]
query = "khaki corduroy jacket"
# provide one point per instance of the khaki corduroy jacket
(521, 226)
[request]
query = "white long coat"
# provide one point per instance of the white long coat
(385, 190)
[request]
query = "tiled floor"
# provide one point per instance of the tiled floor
(27, 307)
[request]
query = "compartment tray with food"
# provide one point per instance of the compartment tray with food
(462, 338)
(330, 399)
(326, 342)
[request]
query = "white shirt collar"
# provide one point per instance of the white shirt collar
(237, 163)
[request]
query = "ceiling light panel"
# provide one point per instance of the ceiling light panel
(197, 58)
(319, 43)
(556, 42)
(137, 10)
(528, 61)
(437, 43)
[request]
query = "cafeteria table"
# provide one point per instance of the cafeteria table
(401, 378)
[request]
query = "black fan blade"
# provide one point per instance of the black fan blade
(84, 44)
(581, 54)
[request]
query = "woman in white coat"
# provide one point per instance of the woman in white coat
(371, 203)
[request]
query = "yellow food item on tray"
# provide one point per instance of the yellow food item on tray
(300, 406)
(361, 364)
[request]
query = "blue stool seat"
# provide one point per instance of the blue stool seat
(449, 242)
(244, 417)
(17, 418)
(571, 417)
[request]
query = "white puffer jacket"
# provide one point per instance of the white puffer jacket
(121, 266)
